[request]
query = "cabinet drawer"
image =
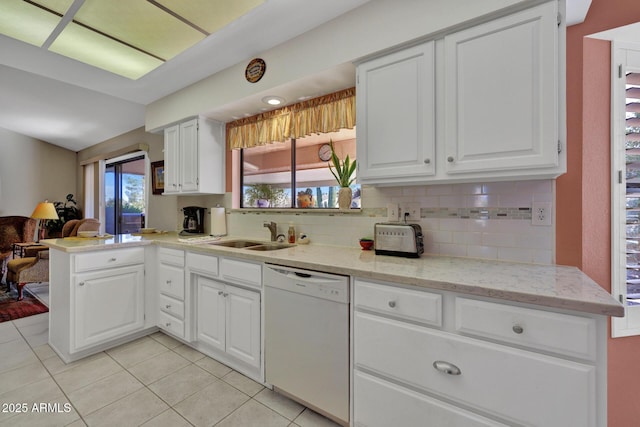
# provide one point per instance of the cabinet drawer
(171, 281)
(107, 259)
(541, 330)
(420, 306)
(171, 306)
(171, 324)
(241, 272)
(379, 403)
(171, 256)
(518, 386)
(207, 264)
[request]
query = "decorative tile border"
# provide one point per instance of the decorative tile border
(462, 213)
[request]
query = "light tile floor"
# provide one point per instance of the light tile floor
(153, 381)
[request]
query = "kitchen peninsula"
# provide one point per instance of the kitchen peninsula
(550, 322)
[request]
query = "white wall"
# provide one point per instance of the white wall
(375, 26)
(32, 171)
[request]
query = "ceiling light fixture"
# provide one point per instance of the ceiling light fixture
(273, 100)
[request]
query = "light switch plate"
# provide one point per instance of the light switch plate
(393, 212)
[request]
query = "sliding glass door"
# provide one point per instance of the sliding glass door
(124, 195)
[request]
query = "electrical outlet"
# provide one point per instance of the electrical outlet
(541, 213)
(410, 212)
(393, 212)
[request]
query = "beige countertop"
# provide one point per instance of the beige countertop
(544, 285)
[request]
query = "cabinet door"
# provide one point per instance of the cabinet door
(108, 304)
(501, 94)
(243, 325)
(211, 312)
(171, 158)
(396, 116)
(189, 155)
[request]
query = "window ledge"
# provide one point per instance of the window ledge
(299, 211)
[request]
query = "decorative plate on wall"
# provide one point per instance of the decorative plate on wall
(255, 70)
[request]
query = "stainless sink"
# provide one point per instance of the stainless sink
(270, 247)
(237, 243)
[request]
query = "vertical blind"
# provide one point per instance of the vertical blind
(632, 161)
(328, 113)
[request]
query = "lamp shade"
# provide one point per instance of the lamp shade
(45, 210)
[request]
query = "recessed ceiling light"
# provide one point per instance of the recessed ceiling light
(273, 100)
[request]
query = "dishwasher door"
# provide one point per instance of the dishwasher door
(307, 338)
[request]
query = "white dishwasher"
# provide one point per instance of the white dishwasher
(307, 338)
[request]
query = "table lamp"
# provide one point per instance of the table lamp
(44, 211)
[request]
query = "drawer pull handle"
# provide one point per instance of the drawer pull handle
(167, 306)
(220, 293)
(392, 304)
(225, 295)
(168, 282)
(517, 329)
(167, 324)
(447, 368)
(112, 259)
(81, 283)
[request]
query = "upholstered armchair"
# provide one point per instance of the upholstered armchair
(14, 229)
(30, 269)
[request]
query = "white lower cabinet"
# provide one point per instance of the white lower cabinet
(172, 310)
(411, 374)
(227, 297)
(229, 319)
(97, 300)
(108, 305)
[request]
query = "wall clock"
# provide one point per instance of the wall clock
(324, 152)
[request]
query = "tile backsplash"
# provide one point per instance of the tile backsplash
(490, 220)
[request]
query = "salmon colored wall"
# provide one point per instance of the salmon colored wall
(583, 194)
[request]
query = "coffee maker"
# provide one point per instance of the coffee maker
(193, 220)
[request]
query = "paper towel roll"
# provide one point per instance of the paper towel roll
(218, 222)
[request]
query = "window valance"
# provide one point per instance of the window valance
(327, 113)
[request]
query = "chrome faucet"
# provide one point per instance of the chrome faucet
(273, 228)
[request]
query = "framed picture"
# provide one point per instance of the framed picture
(157, 177)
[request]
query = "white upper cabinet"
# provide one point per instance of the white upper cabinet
(396, 116)
(482, 103)
(501, 94)
(194, 156)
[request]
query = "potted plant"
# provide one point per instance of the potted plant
(263, 195)
(342, 171)
(305, 198)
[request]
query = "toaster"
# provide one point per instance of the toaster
(398, 239)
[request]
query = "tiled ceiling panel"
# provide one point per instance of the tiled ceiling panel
(92, 48)
(126, 37)
(210, 15)
(140, 24)
(26, 22)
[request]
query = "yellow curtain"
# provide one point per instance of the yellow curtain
(327, 113)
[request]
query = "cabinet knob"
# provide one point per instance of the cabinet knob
(517, 329)
(450, 159)
(220, 292)
(392, 304)
(167, 306)
(112, 259)
(225, 295)
(168, 282)
(427, 161)
(167, 324)
(173, 185)
(446, 367)
(81, 283)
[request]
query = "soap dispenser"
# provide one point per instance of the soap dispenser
(291, 233)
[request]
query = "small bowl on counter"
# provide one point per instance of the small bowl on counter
(88, 233)
(147, 230)
(366, 244)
